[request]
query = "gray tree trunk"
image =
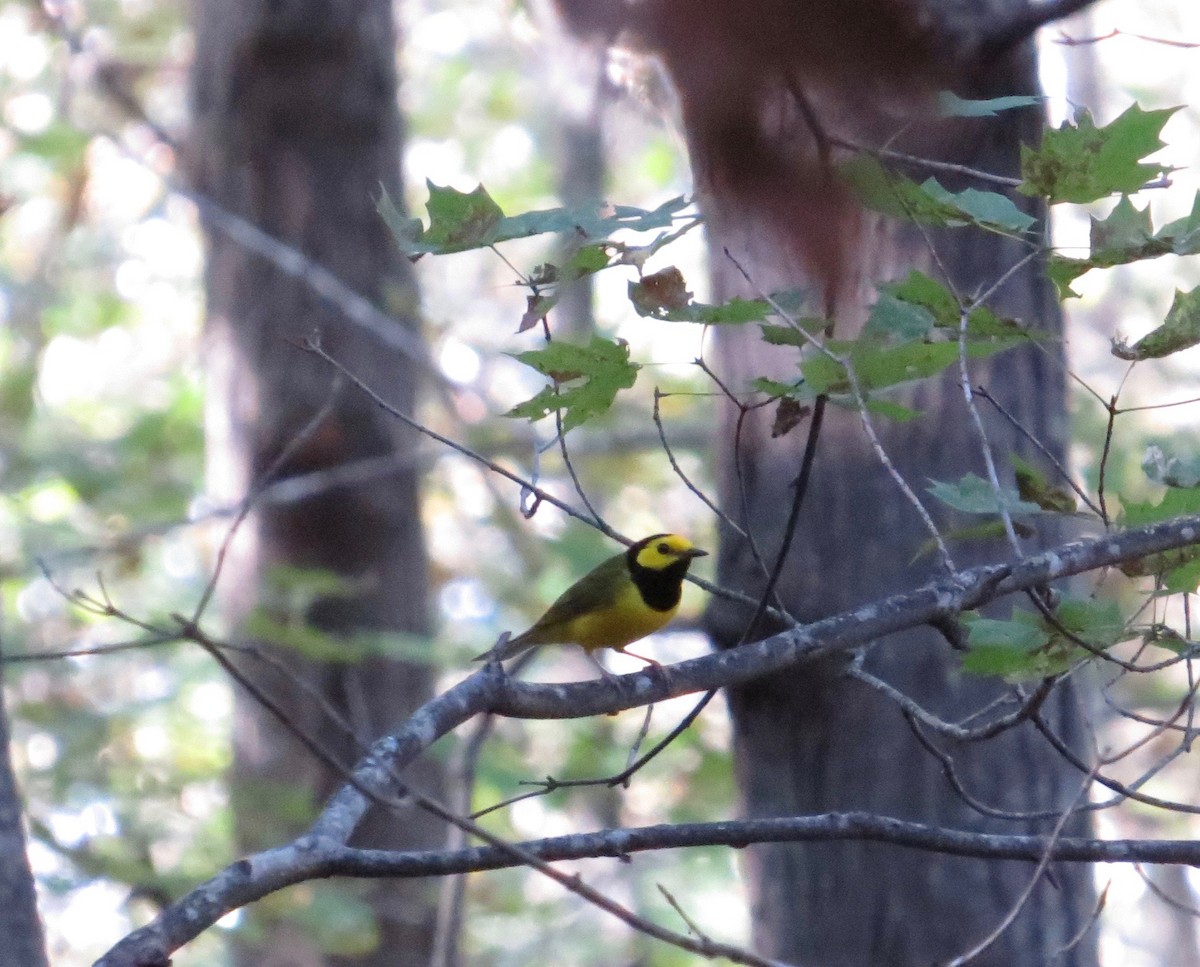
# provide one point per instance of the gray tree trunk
(297, 127)
(814, 741)
(22, 943)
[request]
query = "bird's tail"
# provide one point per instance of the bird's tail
(506, 648)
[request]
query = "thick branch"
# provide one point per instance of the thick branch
(995, 35)
(947, 597)
(311, 855)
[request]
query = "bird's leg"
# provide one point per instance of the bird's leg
(645, 658)
(609, 676)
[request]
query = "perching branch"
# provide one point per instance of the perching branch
(318, 852)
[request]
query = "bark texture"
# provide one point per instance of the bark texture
(814, 741)
(296, 129)
(22, 943)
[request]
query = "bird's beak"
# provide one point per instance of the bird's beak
(695, 552)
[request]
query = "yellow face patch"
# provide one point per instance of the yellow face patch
(663, 551)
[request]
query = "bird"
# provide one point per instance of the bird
(622, 600)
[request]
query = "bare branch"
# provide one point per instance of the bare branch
(321, 851)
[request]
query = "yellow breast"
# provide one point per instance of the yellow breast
(621, 624)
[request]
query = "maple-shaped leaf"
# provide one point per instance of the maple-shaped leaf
(1180, 330)
(929, 203)
(1081, 162)
(457, 221)
(974, 495)
(1028, 646)
(1125, 236)
(586, 379)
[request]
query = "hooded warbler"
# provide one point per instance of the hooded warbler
(626, 598)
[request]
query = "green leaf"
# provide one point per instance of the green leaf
(929, 203)
(1170, 468)
(1176, 502)
(775, 389)
(1081, 163)
(787, 336)
(1004, 648)
(987, 209)
(1183, 578)
(1029, 646)
(892, 411)
(982, 324)
(880, 366)
(1127, 236)
(459, 221)
(885, 408)
(589, 222)
(601, 370)
(1098, 622)
(586, 260)
(1033, 486)
(974, 495)
(1125, 227)
(919, 289)
(1180, 330)
(894, 195)
(898, 319)
(951, 105)
(736, 310)
(1183, 234)
(1023, 630)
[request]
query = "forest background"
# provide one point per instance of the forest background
(122, 757)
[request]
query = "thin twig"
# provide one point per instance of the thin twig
(313, 345)
(550, 784)
(1091, 921)
(1021, 900)
(950, 729)
(799, 489)
(738, 470)
(687, 482)
(864, 415)
(302, 436)
(985, 447)
(1063, 473)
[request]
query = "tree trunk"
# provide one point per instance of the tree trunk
(22, 943)
(297, 127)
(815, 741)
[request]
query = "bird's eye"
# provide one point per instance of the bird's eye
(664, 547)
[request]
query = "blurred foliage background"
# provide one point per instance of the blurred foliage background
(101, 412)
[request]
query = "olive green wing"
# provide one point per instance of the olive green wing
(597, 589)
